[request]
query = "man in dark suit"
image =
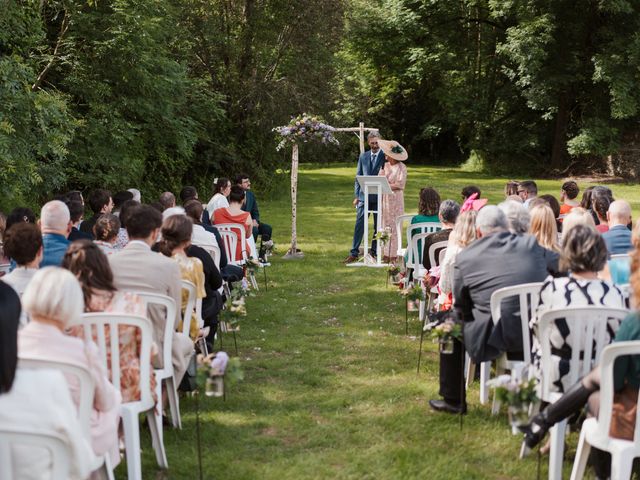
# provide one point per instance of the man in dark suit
(251, 206)
(618, 237)
(100, 202)
(369, 163)
(497, 259)
(76, 210)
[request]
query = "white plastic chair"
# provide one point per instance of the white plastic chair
(99, 322)
(165, 374)
(588, 326)
(595, 431)
(85, 403)
(400, 226)
(413, 258)
(230, 246)
(187, 314)
(528, 298)
(54, 443)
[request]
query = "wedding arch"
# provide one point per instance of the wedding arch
(304, 129)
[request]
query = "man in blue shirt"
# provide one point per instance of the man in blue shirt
(369, 163)
(55, 224)
(618, 237)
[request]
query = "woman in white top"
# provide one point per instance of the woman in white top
(36, 400)
(219, 199)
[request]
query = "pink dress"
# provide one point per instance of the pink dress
(393, 204)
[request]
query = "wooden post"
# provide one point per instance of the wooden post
(293, 250)
(361, 138)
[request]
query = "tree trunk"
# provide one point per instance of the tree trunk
(559, 148)
(293, 250)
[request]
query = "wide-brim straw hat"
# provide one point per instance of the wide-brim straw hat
(393, 149)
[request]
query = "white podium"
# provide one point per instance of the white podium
(372, 185)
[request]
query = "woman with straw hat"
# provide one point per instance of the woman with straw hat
(393, 204)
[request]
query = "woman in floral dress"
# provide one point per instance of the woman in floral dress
(393, 204)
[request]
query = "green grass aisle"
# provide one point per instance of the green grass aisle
(330, 386)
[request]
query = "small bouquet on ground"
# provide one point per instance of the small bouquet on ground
(218, 368)
(413, 293)
(235, 308)
(445, 333)
(305, 128)
(393, 273)
(383, 235)
(268, 249)
(252, 264)
(518, 394)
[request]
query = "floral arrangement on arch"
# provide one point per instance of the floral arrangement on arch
(305, 128)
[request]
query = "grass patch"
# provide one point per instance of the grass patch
(331, 389)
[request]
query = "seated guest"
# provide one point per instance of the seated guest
(168, 200)
(23, 243)
(100, 202)
(618, 237)
(543, 227)
(91, 267)
(194, 210)
(568, 194)
(584, 254)
(428, 208)
(234, 214)
(599, 191)
(448, 213)
(510, 189)
(577, 216)
(518, 218)
(119, 199)
(555, 208)
(601, 207)
(106, 231)
(125, 209)
(22, 392)
(55, 225)
(176, 238)
(626, 373)
(528, 190)
(20, 215)
(137, 196)
(222, 189)
(53, 299)
(495, 260)
(188, 193)
(471, 198)
(464, 232)
(251, 205)
(136, 267)
(76, 212)
(470, 190)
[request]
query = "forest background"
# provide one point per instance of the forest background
(156, 94)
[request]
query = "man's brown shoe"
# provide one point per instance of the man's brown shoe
(350, 259)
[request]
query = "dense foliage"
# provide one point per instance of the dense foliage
(162, 93)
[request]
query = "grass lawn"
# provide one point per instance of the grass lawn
(330, 387)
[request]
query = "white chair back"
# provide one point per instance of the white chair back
(400, 226)
(100, 323)
(54, 443)
(420, 228)
(169, 327)
(187, 314)
(588, 326)
(240, 235)
(528, 298)
(85, 380)
(442, 247)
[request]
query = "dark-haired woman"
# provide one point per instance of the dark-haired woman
(176, 239)
(234, 214)
(90, 266)
(584, 254)
(105, 232)
(125, 211)
(221, 192)
(22, 407)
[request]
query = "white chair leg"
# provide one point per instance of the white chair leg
(174, 403)
(132, 444)
(485, 372)
(621, 466)
(582, 455)
(470, 368)
(161, 455)
(495, 405)
(557, 450)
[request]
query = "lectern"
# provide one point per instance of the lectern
(372, 185)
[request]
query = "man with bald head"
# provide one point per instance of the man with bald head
(618, 237)
(55, 225)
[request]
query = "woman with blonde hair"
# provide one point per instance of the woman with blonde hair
(464, 232)
(543, 227)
